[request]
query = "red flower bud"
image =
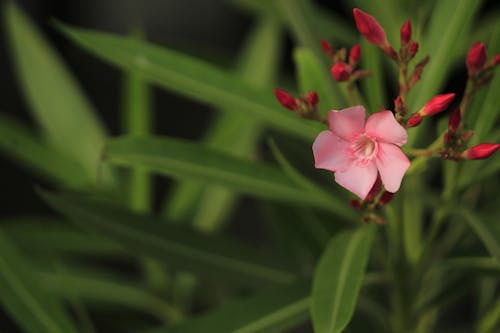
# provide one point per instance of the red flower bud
(356, 204)
(413, 49)
(467, 135)
(481, 151)
(496, 59)
(447, 137)
(354, 54)
(385, 198)
(414, 120)
(326, 46)
(285, 99)
(398, 103)
(312, 98)
(455, 118)
(341, 71)
(437, 104)
(476, 58)
(369, 28)
(406, 33)
(376, 188)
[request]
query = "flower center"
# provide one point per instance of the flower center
(364, 147)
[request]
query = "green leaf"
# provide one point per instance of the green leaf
(181, 247)
(450, 21)
(233, 132)
(312, 76)
(182, 159)
(269, 311)
(332, 25)
(40, 237)
(490, 237)
(338, 278)
(19, 143)
(57, 102)
(190, 77)
(24, 298)
(374, 85)
(109, 290)
(300, 18)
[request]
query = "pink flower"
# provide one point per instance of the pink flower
(354, 151)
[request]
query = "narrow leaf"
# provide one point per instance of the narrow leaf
(269, 311)
(181, 247)
(182, 159)
(312, 76)
(57, 102)
(489, 236)
(22, 145)
(24, 298)
(338, 278)
(235, 133)
(190, 77)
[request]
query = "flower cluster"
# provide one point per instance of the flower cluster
(366, 155)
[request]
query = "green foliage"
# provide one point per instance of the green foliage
(146, 263)
(337, 279)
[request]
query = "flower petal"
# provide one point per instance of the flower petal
(330, 151)
(347, 123)
(392, 164)
(358, 178)
(384, 127)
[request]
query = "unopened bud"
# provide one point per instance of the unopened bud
(414, 120)
(406, 33)
(354, 54)
(356, 204)
(326, 46)
(447, 137)
(496, 60)
(285, 99)
(398, 104)
(376, 188)
(437, 104)
(341, 71)
(413, 49)
(476, 58)
(467, 135)
(454, 121)
(312, 98)
(385, 198)
(369, 28)
(481, 151)
(417, 72)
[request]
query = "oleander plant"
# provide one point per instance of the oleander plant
(371, 171)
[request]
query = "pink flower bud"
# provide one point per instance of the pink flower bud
(326, 46)
(437, 104)
(406, 33)
(414, 120)
(354, 54)
(476, 57)
(369, 28)
(285, 99)
(376, 188)
(313, 98)
(341, 71)
(454, 121)
(481, 151)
